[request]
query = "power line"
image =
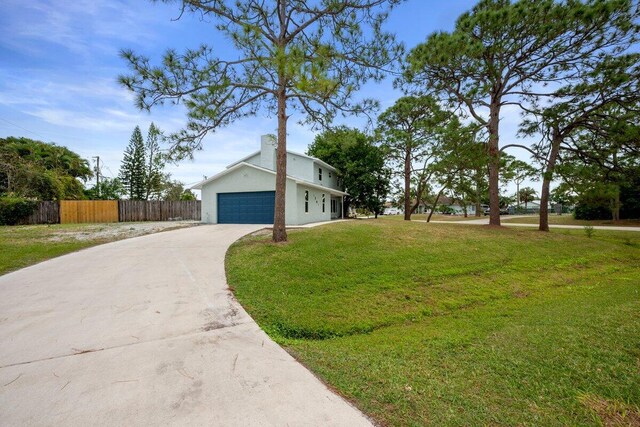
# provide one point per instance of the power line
(24, 129)
(109, 169)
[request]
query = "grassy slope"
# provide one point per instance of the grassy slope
(443, 325)
(568, 219)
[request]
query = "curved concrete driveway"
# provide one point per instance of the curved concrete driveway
(145, 332)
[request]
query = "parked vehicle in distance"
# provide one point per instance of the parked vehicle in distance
(487, 210)
(392, 211)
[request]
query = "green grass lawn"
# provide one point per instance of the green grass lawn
(567, 219)
(434, 324)
(24, 245)
(434, 217)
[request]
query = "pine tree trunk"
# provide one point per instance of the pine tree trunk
(435, 203)
(407, 185)
(494, 164)
(616, 199)
(616, 204)
(556, 139)
(279, 223)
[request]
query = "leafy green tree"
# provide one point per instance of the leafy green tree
(517, 171)
(187, 195)
(296, 55)
(39, 170)
(506, 52)
(601, 167)
(563, 194)
(360, 165)
(108, 189)
(456, 153)
(587, 118)
(408, 131)
(132, 169)
(174, 190)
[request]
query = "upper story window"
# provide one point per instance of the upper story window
(329, 174)
(319, 174)
(306, 201)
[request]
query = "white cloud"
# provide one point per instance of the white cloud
(83, 27)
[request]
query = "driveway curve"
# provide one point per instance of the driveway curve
(145, 331)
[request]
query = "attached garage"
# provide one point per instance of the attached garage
(253, 207)
(244, 193)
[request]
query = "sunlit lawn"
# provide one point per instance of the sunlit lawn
(567, 219)
(434, 217)
(24, 245)
(435, 324)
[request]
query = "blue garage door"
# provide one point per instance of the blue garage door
(255, 207)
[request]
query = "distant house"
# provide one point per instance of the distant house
(244, 193)
(455, 207)
(424, 208)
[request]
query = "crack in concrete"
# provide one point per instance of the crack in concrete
(78, 352)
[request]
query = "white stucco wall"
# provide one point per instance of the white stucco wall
(254, 160)
(315, 213)
(246, 179)
(329, 178)
(298, 167)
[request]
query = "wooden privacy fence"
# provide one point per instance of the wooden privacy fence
(75, 211)
(45, 213)
(151, 210)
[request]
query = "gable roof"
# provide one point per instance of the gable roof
(315, 159)
(237, 165)
(244, 159)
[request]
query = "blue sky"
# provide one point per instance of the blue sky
(59, 64)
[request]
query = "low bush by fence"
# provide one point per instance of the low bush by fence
(44, 213)
(84, 211)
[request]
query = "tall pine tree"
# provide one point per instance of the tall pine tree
(155, 161)
(132, 169)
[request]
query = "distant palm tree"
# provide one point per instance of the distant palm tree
(526, 195)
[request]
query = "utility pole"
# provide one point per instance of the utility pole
(97, 174)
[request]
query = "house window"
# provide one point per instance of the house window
(306, 201)
(329, 174)
(334, 205)
(323, 203)
(319, 174)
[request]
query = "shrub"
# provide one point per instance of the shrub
(589, 230)
(592, 211)
(13, 209)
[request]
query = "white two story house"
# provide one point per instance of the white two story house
(244, 193)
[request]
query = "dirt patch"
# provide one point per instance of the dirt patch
(118, 231)
(612, 413)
